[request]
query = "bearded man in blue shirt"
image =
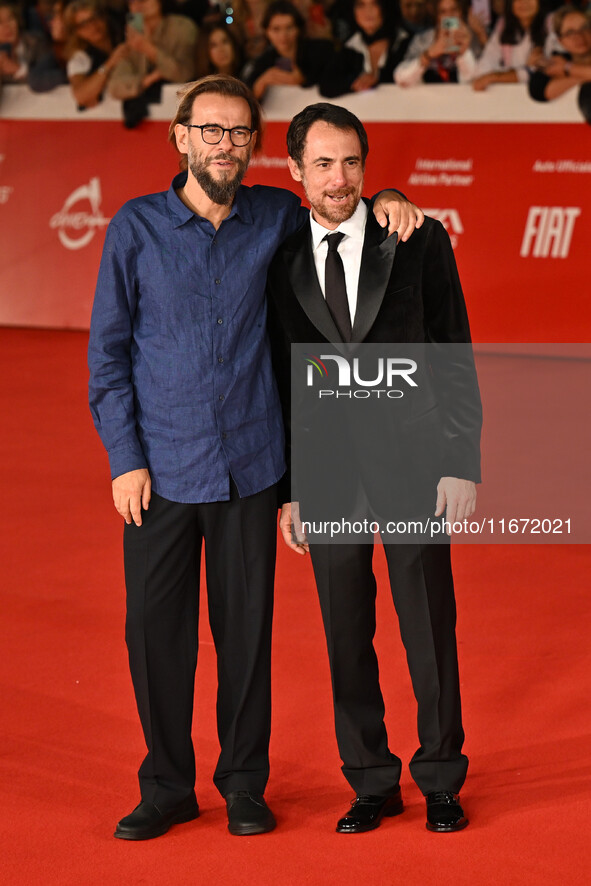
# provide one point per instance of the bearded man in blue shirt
(183, 397)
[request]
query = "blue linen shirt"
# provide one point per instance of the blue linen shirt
(181, 380)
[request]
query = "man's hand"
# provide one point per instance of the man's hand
(132, 492)
(291, 527)
(457, 498)
(392, 209)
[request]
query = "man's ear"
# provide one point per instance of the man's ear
(181, 134)
(294, 169)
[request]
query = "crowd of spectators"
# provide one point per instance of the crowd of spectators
(128, 48)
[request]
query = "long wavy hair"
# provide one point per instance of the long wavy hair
(204, 64)
(390, 18)
(73, 40)
(513, 32)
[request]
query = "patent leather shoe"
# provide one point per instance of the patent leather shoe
(248, 814)
(444, 813)
(367, 811)
(148, 821)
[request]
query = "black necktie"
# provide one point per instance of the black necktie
(335, 287)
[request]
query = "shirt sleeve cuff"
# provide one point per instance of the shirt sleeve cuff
(123, 460)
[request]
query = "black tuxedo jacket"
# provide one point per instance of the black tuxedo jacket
(408, 293)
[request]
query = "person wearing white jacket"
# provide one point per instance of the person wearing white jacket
(515, 45)
(444, 54)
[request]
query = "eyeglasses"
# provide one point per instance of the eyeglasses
(576, 32)
(212, 135)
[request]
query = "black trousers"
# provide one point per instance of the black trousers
(422, 587)
(162, 564)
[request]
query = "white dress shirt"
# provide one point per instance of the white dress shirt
(350, 249)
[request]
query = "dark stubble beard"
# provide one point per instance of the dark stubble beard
(223, 190)
(333, 214)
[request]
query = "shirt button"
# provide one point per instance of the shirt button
(218, 281)
(224, 435)
(220, 321)
(221, 396)
(220, 359)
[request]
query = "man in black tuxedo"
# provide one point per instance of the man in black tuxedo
(373, 291)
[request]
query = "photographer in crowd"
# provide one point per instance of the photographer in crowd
(160, 49)
(444, 54)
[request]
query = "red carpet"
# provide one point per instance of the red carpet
(71, 742)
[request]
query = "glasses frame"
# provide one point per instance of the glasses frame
(576, 32)
(203, 126)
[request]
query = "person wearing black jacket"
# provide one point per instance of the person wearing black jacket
(568, 69)
(371, 54)
(408, 293)
(291, 59)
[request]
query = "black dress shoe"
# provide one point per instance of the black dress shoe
(366, 813)
(444, 813)
(148, 821)
(248, 814)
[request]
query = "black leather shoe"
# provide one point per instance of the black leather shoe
(444, 813)
(366, 813)
(148, 821)
(248, 814)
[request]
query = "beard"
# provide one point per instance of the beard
(332, 212)
(223, 190)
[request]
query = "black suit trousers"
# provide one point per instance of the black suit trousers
(422, 588)
(162, 565)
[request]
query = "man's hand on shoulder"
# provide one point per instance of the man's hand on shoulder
(455, 497)
(291, 528)
(393, 209)
(132, 492)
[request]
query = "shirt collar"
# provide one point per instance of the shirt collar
(181, 213)
(353, 227)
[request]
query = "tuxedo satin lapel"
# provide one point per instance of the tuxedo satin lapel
(377, 259)
(303, 278)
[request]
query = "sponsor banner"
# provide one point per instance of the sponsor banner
(54, 210)
(514, 198)
(375, 428)
(80, 217)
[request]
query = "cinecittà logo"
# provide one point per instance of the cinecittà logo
(349, 383)
(83, 222)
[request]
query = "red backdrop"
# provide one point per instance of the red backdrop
(514, 199)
